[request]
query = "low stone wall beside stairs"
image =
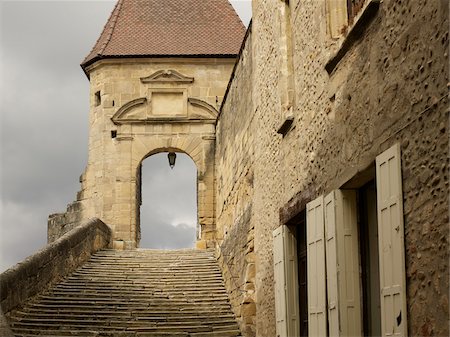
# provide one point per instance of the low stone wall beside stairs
(49, 265)
(62, 223)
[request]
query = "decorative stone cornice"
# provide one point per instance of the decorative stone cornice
(162, 76)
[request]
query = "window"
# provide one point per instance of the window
(348, 231)
(353, 8)
(343, 14)
(98, 98)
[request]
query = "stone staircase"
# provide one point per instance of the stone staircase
(176, 293)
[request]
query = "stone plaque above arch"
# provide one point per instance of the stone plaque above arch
(138, 110)
(164, 76)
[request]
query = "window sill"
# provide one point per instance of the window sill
(356, 31)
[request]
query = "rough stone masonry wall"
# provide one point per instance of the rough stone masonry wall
(234, 190)
(390, 86)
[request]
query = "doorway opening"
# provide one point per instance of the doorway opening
(167, 202)
(299, 222)
(369, 253)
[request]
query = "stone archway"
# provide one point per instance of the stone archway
(167, 203)
(205, 230)
(140, 107)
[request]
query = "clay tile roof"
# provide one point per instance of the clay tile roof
(139, 28)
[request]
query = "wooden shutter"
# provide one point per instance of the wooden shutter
(317, 316)
(337, 16)
(332, 265)
(391, 243)
(286, 282)
(291, 269)
(280, 282)
(343, 286)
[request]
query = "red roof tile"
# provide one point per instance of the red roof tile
(138, 28)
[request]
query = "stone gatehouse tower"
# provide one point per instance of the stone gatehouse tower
(157, 82)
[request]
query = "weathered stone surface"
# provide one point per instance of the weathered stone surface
(140, 107)
(389, 86)
(5, 331)
(133, 293)
(49, 265)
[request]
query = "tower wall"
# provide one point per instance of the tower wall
(140, 107)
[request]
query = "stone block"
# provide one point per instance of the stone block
(200, 244)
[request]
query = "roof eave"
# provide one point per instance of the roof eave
(97, 58)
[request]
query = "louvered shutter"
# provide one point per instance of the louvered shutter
(391, 243)
(280, 282)
(317, 316)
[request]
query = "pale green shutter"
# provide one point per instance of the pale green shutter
(292, 301)
(286, 282)
(332, 265)
(337, 16)
(348, 259)
(343, 286)
(317, 315)
(280, 282)
(391, 243)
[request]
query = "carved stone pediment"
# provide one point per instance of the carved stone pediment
(140, 111)
(202, 109)
(164, 76)
(133, 110)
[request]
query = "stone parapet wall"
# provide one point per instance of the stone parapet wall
(61, 223)
(52, 263)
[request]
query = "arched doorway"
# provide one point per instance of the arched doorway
(168, 202)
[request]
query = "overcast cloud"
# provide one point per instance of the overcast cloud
(44, 127)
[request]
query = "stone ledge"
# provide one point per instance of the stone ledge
(364, 19)
(52, 263)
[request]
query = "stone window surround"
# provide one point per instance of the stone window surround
(353, 33)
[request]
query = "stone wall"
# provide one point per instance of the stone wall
(140, 107)
(49, 265)
(61, 223)
(383, 81)
(234, 172)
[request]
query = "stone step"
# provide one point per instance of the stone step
(132, 289)
(87, 333)
(130, 299)
(208, 311)
(130, 323)
(147, 278)
(134, 293)
(137, 295)
(150, 271)
(119, 326)
(157, 316)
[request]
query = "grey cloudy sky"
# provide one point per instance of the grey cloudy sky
(44, 105)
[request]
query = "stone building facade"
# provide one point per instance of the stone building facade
(154, 88)
(363, 79)
(325, 95)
